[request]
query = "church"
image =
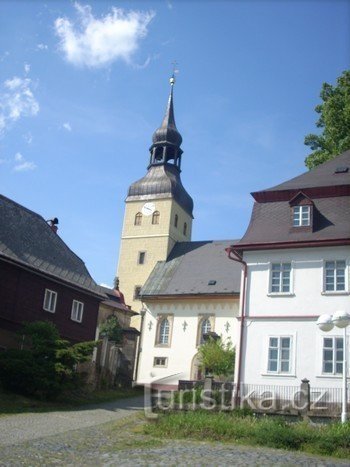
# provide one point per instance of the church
(182, 289)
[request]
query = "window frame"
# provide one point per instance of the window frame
(280, 292)
(335, 290)
(334, 360)
(141, 254)
(155, 365)
(137, 295)
(160, 319)
(201, 319)
(279, 360)
(79, 312)
(155, 217)
(300, 208)
(138, 219)
(52, 293)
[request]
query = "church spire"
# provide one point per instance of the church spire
(167, 139)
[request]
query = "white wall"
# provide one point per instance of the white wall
(269, 315)
(183, 342)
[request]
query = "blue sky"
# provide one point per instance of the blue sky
(84, 85)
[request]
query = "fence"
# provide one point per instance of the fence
(296, 400)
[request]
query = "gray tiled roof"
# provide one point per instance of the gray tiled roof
(162, 181)
(27, 239)
(271, 221)
(189, 268)
(322, 175)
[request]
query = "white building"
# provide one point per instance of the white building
(297, 252)
(194, 292)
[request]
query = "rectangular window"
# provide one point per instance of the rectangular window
(137, 291)
(332, 355)
(279, 357)
(280, 277)
(50, 300)
(141, 257)
(301, 216)
(77, 311)
(335, 276)
(160, 361)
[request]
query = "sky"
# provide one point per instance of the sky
(83, 86)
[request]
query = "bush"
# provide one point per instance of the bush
(47, 366)
(112, 330)
(217, 357)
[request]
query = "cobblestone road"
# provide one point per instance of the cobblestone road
(121, 442)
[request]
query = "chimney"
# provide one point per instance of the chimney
(53, 224)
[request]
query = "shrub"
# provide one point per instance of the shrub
(217, 357)
(47, 366)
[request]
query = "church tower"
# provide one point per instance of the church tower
(158, 211)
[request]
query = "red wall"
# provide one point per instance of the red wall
(22, 297)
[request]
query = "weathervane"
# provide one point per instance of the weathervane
(175, 70)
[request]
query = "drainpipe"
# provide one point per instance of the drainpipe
(139, 347)
(235, 256)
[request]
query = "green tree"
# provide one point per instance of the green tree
(334, 119)
(217, 357)
(112, 329)
(46, 365)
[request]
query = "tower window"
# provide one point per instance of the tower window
(158, 154)
(138, 219)
(137, 291)
(155, 217)
(141, 258)
(176, 221)
(185, 229)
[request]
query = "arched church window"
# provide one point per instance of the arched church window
(164, 329)
(155, 217)
(138, 219)
(205, 328)
(185, 228)
(176, 220)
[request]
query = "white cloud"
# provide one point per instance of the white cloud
(22, 165)
(42, 46)
(96, 42)
(16, 100)
(26, 68)
(67, 126)
(28, 137)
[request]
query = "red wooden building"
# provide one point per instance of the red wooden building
(42, 279)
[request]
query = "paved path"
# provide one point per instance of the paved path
(19, 428)
(112, 435)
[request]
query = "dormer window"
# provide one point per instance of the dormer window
(301, 211)
(301, 216)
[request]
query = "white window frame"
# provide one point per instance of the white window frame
(335, 290)
(334, 360)
(299, 220)
(159, 364)
(279, 370)
(52, 301)
(291, 281)
(77, 311)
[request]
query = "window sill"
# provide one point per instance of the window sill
(162, 345)
(330, 376)
(283, 375)
(76, 321)
(49, 311)
(281, 294)
(335, 292)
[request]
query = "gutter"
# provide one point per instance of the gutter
(235, 256)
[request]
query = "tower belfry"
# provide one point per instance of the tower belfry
(158, 211)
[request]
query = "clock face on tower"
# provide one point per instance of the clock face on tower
(148, 209)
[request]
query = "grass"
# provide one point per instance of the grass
(332, 439)
(14, 403)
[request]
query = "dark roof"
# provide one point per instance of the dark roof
(27, 239)
(271, 217)
(167, 132)
(189, 269)
(320, 176)
(162, 181)
(115, 299)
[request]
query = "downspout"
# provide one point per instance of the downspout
(238, 258)
(139, 346)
